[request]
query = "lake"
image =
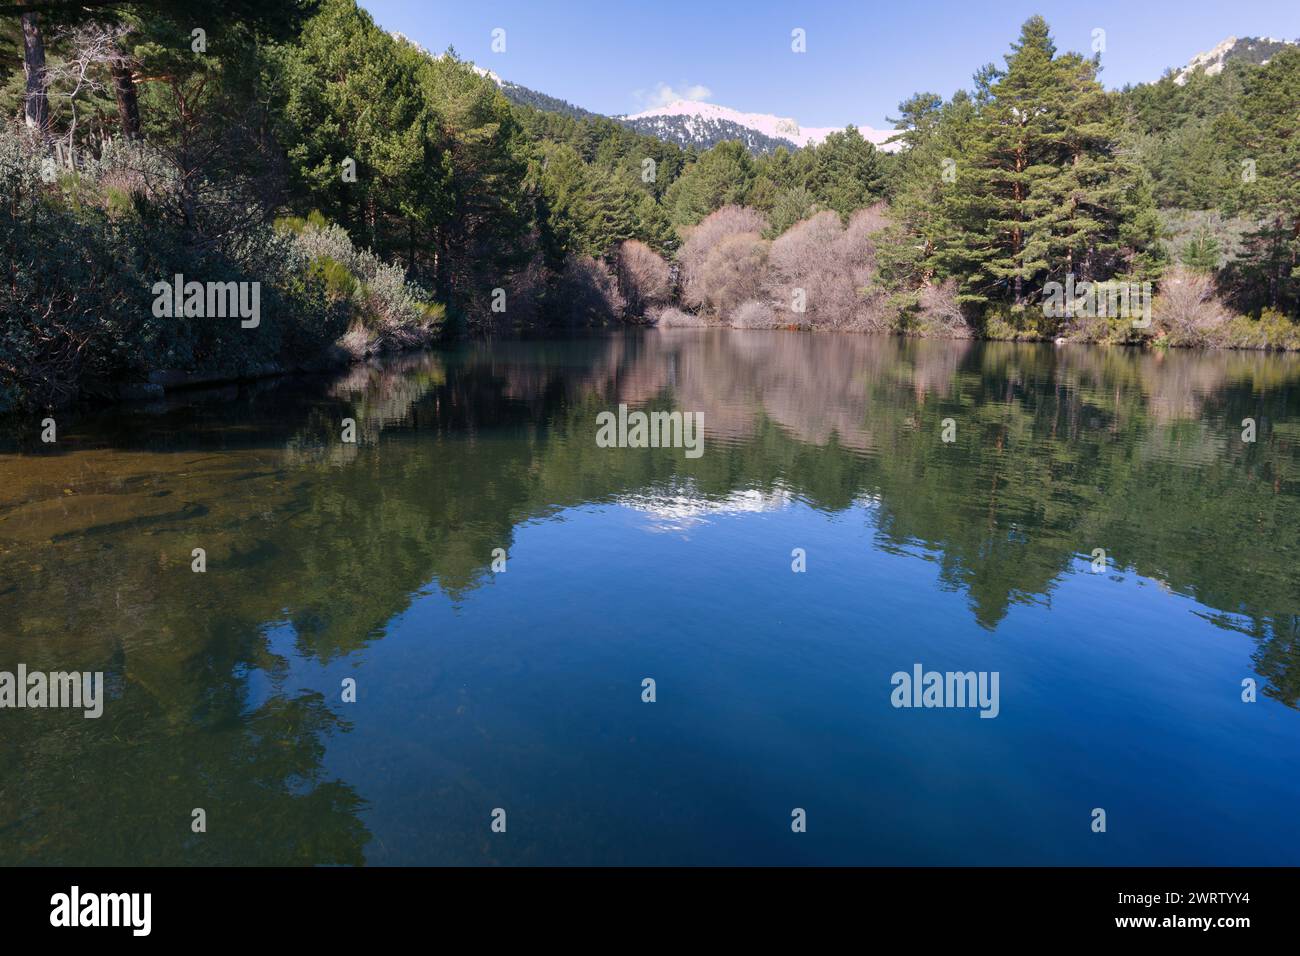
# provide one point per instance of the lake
(497, 587)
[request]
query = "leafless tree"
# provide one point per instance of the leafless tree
(1187, 310)
(95, 49)
(644, 277)
(825, 269)
(704, 238)
(734, 272)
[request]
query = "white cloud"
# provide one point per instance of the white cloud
(663, 94)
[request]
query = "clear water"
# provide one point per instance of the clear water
(522, 690)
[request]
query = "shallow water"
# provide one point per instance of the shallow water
(522, 690)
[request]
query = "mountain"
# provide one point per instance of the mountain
(523, 96)
(701, 130)
(513, 91)
(1251, 49)
(688, 123)
(692, 123)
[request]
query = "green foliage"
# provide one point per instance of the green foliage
(1004, 322)
(79, 313)
(722, 176)
(1180, 134)
(847, 173)
(339, 281)
(588, 209)
(1029, 180)
(1272, 330)
(1201, 252)
(1265, 141)
(348, 91)
(791, 206)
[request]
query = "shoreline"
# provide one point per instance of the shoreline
(169, 382)
(166, 383)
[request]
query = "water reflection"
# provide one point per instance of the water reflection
(316, 546)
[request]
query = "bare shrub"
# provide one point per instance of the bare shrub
(800, 250)
(938, 312)
(828, 268)
(674, 318)
(872, 219)
(755, 314)
(644, 277)
(705, 238)
(589, 292)
(1187, 311)
(860, 235)
(734, 272)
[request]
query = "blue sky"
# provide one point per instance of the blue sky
(862, 57)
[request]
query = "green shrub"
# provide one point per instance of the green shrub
(1006, 323)
(1272, 330)
(82, 258)
(339, 281)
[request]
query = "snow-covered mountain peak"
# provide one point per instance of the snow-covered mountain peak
(767, 124)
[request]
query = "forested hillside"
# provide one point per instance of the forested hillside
(383, 197)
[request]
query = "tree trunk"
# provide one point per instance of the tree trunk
(128, 104)
(36, 104)
(1017, 237)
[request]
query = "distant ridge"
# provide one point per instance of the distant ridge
(687, 123)
(698, 124)
(1250, 49)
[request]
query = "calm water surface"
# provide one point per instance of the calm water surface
(1120, 690)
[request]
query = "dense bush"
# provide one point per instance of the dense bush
(1004, 322)
(386, 311)
(828, 268)
(674, 318)
(82, 253)
(755, 314)
(1272, 330)
(702, 240)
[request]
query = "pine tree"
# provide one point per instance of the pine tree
(722, 176)
(1042, 186)
(847, 173)
(1266, 152)
(1201, 251)
(791, 206)
(610, 214)
(935, 133)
